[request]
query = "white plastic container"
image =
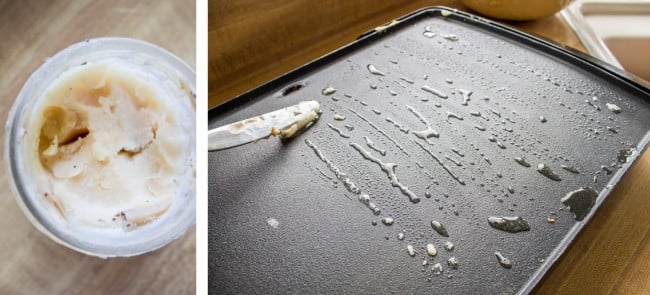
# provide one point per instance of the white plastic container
(65, 217)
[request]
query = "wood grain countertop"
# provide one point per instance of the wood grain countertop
(31, 31)
(251, 42)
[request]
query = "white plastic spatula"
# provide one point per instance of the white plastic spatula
(284, 123)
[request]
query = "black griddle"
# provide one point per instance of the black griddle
(280, 222)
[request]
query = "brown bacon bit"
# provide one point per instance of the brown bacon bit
(275, 131)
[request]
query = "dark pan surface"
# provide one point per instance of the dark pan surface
(280, 222)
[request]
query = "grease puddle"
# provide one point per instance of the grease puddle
(580, 202)
(511, 224)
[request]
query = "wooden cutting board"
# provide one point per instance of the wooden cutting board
(30, 263)
(251, 42)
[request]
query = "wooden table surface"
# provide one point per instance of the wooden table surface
(251, 42)
(30, 263)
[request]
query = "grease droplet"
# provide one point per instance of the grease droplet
(451, 37)
(571, 169)
(546, 171)
(626, 155)
(429, 34)
(410, 250)
(439, 228)
(522, 161)
(437, 269)
(466, 94)
(328, 91)
(614, 108)
(387, 221)
(431, 250)
(607, 169)
(453, 262)
(454, 115)
(373, 70)
(505, 262)
(273, 222)
(449, 246)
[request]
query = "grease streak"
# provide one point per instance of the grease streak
(349, 185)
(380, 131)
(339, 131)
(389, 169)
(427, 133)
(433, 91)
(441, 163)
(373, 147)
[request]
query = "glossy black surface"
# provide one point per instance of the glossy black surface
(324, 240)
